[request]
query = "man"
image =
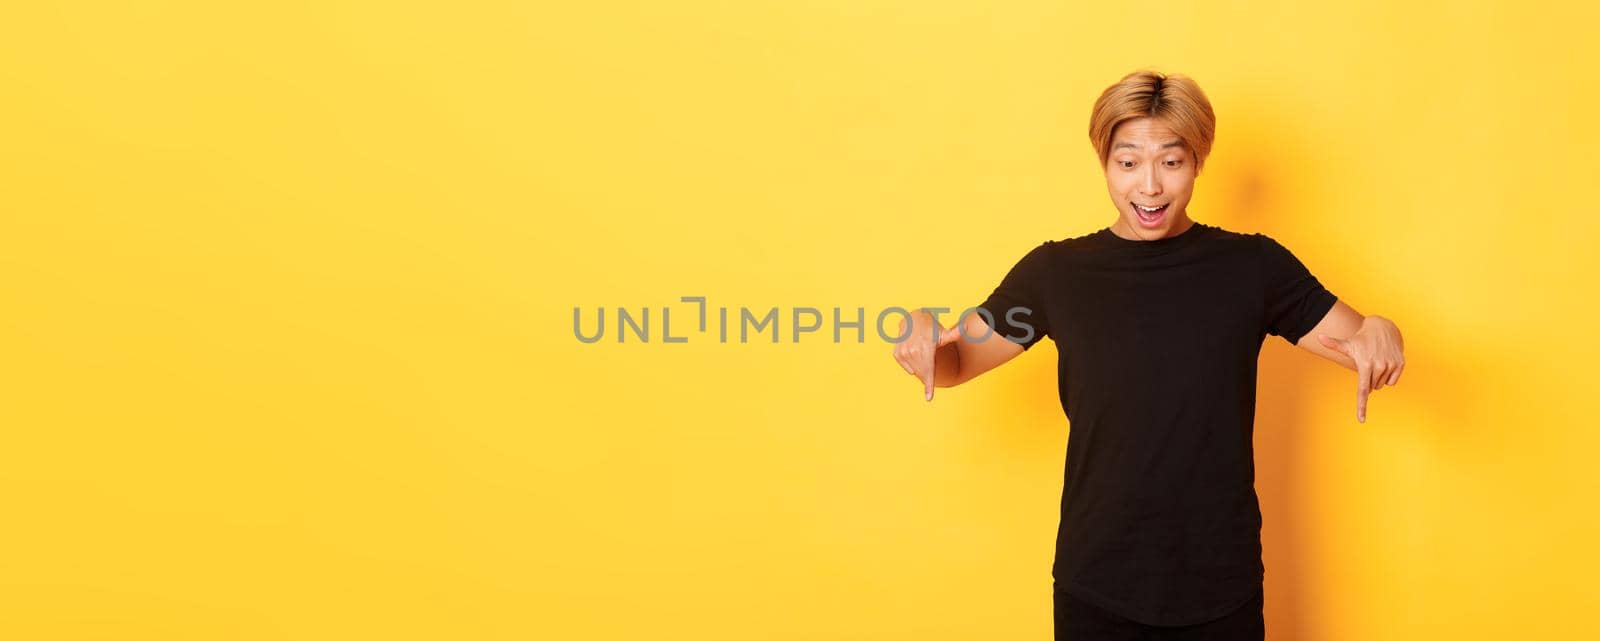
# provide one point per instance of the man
(1159, 321)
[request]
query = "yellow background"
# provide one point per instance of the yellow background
(286, 292)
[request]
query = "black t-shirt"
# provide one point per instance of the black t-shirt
(1158, 342)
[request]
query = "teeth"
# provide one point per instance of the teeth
(1149, 209)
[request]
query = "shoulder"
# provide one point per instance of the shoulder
(1039, 258)
(1051, 255)
(1060, 247)
(1269, 248)
(1244, 239)
(1248, 245)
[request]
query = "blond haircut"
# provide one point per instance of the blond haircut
(1174, 99)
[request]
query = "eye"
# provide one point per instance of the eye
(1174, 163)
(1126, 164)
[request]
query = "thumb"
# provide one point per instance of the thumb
(1334, 344)
(950, 336)
(927, 388)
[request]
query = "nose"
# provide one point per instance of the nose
(1150, 185)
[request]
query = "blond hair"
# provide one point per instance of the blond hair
(1175, 99)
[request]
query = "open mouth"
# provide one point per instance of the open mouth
(1150, 216)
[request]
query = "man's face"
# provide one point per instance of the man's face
(1150, 167)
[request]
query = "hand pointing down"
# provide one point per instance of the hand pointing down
(916, 354)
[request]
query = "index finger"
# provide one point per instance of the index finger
(1364, 386)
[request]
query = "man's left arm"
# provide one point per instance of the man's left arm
(1370, 345)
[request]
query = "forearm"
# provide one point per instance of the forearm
(1370, 325)
(941, 357)
(1375, 324)
(1376, 352)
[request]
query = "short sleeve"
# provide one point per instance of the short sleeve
(1295, 300)
(1015, 309)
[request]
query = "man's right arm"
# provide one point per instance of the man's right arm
(941, 357)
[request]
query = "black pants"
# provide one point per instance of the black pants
(1077, 620)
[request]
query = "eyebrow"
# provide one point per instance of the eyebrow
(1129, 145)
